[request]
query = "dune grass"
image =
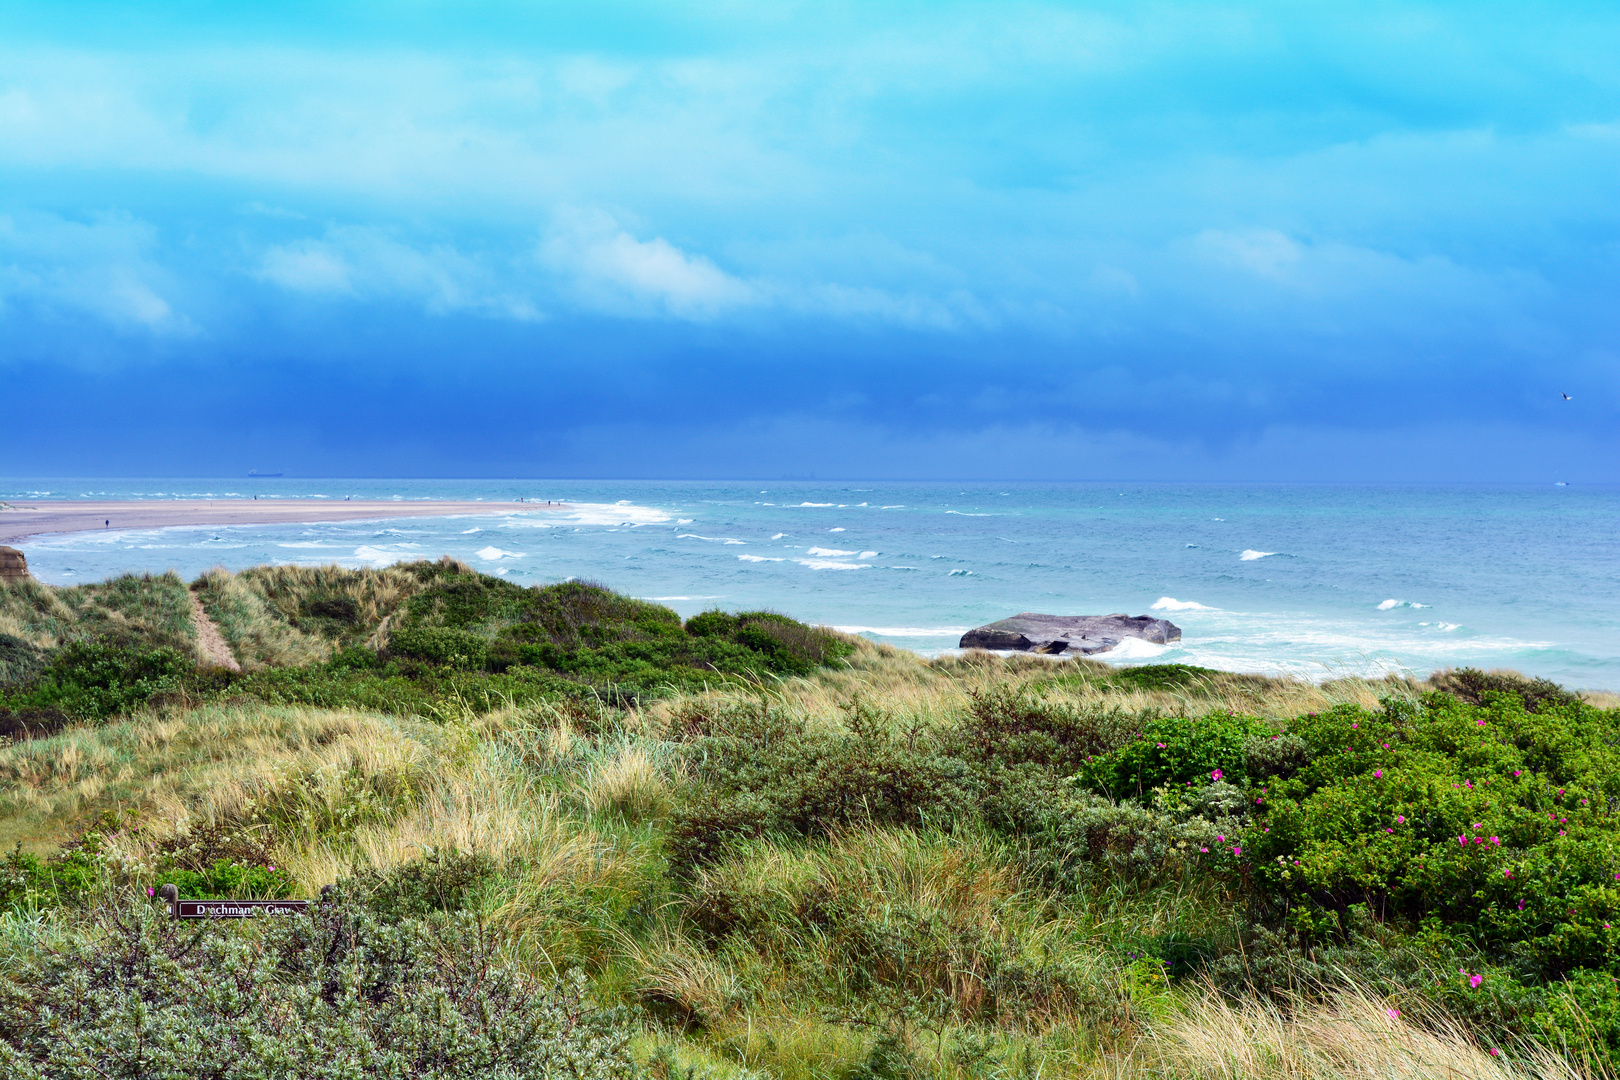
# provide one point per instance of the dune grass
(884, 867)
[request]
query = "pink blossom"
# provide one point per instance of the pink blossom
(1216, 775)
(1378, 774)
(1496, 842)
(1495, 1052)
(1237, 851)
(1521, 905)
(1475, 980)
(1463, 840)
(1507, 873)
(1517, 772)
(1220, 838)
(1400, 819)
(1394, 1014)
(150, 893)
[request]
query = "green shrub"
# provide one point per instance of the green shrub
(759, 772)
(440, 645)
(440, 881)
(92, 680)
(333, 993)
(1175, 752)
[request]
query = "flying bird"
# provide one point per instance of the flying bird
(1566, 396)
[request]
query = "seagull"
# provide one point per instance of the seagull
(1566, 396)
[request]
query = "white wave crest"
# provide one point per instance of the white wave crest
(710, 539)
(830, 564)
(817, 504)
(1133, 649)
(828, 552)
(759, 558)
(620, 513)
(1170, 603)
(1249, 554)
(493, 553)
(778, 536)
(1389, 604)
(869, 554)
(839, 529)
(960, 573)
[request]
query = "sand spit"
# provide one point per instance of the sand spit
(19, 520)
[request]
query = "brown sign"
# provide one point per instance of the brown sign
(237, 909)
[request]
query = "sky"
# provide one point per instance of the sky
(1158, 241)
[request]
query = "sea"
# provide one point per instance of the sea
(1313, 581)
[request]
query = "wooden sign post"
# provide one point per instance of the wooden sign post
(227, 909)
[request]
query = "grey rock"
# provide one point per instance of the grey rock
(1083, 634)
(13, 565)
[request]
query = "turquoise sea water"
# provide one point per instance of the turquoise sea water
(1310, 580)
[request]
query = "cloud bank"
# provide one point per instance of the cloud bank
(1054, 240)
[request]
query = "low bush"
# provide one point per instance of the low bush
(335, 993)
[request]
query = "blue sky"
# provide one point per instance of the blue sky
(1298, 241)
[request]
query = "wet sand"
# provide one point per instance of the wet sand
(20, 520)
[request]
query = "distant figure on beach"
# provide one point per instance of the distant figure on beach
(107, 523)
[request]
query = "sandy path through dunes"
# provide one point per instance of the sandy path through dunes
(20, 520)
(210, 642)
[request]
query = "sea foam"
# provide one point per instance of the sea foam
(1249, 554)
(1170, 603)
(828, 552)
(830, 564)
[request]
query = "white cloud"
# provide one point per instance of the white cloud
(56, 267)
(609, 268)
(369, 264)
(306, 266)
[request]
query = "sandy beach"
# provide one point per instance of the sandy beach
(20, 520)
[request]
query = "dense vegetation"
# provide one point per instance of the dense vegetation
(401, 640)
(763, 849)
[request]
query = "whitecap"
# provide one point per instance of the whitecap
(815, 504)
(1249, 554)
(619, 513)
(307, 544)
(905, 568)
(960, 573)
(683, 521)
(492, 553)
(828, 552)
(778, 536)
(1133, 649)
(710, 539)
(838, 529)
(1170, 603)
(896, 506)
(830, 564)
(1388, 604)
(759, 558)
(869, 554)
(469, 532)
(375, 555)
(964, 513)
